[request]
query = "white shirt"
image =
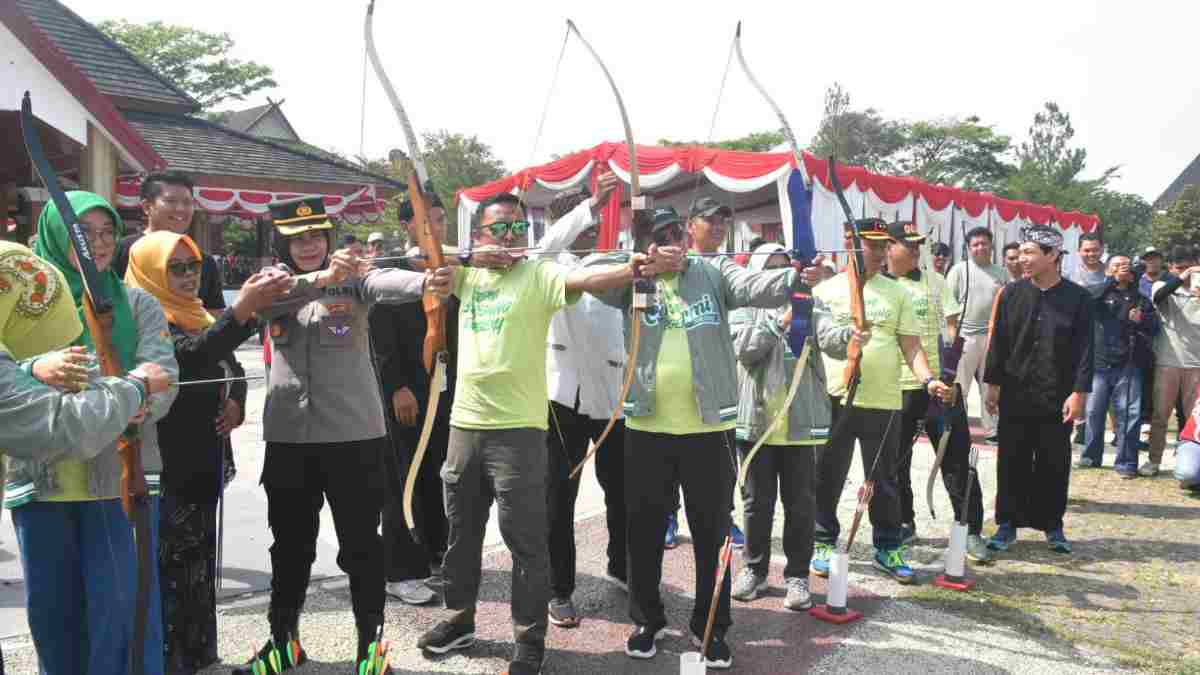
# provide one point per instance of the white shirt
(585, 349)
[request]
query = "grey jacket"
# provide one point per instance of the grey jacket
(93, 421)
(321, 386)
(763, 357)
(711, 293)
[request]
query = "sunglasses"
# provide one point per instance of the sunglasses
(184, 269)
(517, 227)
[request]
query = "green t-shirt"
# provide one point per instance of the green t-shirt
(675, 408)
(889, 310)
(780, 435)
(503, 320)
(926, 297)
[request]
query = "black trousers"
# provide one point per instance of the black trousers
(704, 465)
(298, 478)
(406, 558)
(779, 471)
(955, 465)
(877, 431)
(567, 442)
(1033, 472)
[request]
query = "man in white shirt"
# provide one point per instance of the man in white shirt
(986, 281)
(1090, 270)
(585, 360)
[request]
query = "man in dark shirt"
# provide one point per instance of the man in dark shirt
(1124, 330)
(1039, 374)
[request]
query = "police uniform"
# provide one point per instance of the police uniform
(324, 429)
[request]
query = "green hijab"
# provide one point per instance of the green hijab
(53, 244)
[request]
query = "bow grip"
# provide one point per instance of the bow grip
(801, 328)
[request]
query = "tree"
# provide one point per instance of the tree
(1049, 168)
(195, 61)
(759, 141)
(856, 136)
(1126, 219)
(1180, 225)
(959, 152)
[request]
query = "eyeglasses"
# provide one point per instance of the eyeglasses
(96, 236)
(185, 269)
(517, 227)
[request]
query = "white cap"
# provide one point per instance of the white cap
(374, 237)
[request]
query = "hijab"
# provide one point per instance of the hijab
(758, 261)
(36, 313)
(148, 258)
(53, 244)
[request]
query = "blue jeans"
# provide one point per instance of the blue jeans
(80, 568)
(1122, 386)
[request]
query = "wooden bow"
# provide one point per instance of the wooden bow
(435, 355)
(638, 204)
(803, 248)
(98, 313)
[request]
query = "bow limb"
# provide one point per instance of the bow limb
(98, 314)
(434, 353)
(637, 204)
(783, 123)
(854, 273)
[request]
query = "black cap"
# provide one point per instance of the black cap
(905, 231)
(300, 215)
(871, 229)
(707, 206)
(940, 248)
(664, 216)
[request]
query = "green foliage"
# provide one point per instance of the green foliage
(195, 61)
(1126, 219)
(1048, 170)
(856, 136)
(759, 141)
(1180, 225)
(952, 151)
(238, 241)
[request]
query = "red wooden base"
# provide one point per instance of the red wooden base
(823, 613)
(962, 585)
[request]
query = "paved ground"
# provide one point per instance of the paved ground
(895, 636)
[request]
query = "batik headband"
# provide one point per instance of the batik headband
(1042, 236)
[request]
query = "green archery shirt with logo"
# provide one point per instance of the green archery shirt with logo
(503, 320)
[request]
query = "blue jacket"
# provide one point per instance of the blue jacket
(1117, 339)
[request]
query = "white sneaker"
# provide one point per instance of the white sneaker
(1148, 469)
(410, 591)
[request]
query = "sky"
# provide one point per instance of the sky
(1124, 71)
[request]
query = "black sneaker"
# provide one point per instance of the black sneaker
(274, 658)
(640, 644)
(446, 637)
(562, 613)
(718, 657)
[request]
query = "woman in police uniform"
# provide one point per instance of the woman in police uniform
(323, 422)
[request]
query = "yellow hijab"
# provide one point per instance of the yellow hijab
(37, 313)
(147, 270)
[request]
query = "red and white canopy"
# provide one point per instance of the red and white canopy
(932, 206)
(362, 204)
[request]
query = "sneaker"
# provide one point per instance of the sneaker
(820, 560)
(908, 533)
(719, 656)
(1086, 463)
(1126, 475)
(411, 591)
(748, 585)
(993, 439)
(891, 562)
(273, 659)
(977, 549)
(562, 613)
(447, 636)
(1058, 542)
(1148, 469)
(672, 538)
(1004, 537)
(736, 538)
(798, 598)
(617, 581)
(640, 644)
